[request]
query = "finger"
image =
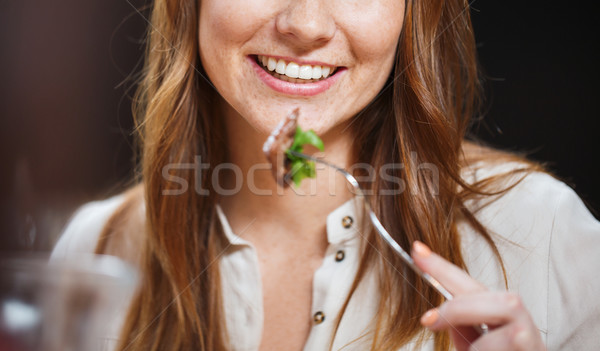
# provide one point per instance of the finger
(450, 276)
(491, 308)
(514, 336)
(463, 337)
(495, 340)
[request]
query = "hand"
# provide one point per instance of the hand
(510, 325)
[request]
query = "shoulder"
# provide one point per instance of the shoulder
(548, 241)
(87, 225)
(518, 189)
(516, 185)
(83, 229)
(520, 210)
(522, 196)
(527, 208)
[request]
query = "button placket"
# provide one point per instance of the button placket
(333, 279)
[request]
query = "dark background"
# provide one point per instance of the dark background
(66, 122)
(541, 59)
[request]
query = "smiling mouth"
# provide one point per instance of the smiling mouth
(292, 72)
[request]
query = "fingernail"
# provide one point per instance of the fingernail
(421, 249)
(430, 317)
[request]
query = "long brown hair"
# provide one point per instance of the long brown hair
(424, 110)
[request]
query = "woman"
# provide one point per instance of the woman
(229, 261)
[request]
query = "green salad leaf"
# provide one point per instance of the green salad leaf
(302, 168)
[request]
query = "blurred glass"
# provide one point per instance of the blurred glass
(66, 304)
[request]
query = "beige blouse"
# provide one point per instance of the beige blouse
(549, 242)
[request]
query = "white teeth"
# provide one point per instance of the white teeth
(292, 70)
(316, 72)
(306, 72)
(271, 64)
(280, 67)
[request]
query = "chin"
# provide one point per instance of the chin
(319, 120)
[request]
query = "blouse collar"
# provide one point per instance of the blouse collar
(342, 224)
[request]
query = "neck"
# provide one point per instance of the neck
(269, 207)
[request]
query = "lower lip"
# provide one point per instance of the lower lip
(302, 89)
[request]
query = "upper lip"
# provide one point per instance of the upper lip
(300, 61)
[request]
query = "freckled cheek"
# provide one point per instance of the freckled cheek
(218, 48)
(215, 36)
(377, 42)
(375, 47)
(232, 21)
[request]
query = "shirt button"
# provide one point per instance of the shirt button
(347, 222)
(319, 317)
(339, 256)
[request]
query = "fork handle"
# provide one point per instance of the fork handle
(481, 328)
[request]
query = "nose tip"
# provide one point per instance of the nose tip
(307, 21)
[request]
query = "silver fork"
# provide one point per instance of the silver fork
(383, 233)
